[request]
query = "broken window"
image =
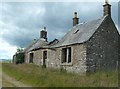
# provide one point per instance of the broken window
(66, 55)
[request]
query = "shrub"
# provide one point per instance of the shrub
(19, 56)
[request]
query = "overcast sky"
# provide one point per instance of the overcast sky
(21, 22)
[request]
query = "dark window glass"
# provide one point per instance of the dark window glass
(69, 54)
(64, 55)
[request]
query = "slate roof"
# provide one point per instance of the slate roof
(53, 42)
(30, 45)
(80, 33)
(39, 44)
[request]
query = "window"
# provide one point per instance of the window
(66, 55)
(76, 31)
(69, 55)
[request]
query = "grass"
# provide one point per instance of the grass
(3, 82)
(38, 77)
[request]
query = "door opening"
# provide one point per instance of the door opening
(31, 58)
(44, 58)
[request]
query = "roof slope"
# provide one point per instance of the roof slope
(80, 33)
(39, 44)
(30, 45)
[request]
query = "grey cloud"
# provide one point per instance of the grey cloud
(18, 38)
(57, 17)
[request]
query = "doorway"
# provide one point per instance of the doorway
(31, 58)
(44, 58)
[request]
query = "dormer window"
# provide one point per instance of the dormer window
(76, 31)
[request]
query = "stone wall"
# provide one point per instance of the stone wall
(52, 60)
(26, 57)
(78, 59)
(37, 58)
(102, 48)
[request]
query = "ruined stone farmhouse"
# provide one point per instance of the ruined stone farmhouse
(87, 47)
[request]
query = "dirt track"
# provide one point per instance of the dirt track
(13, 81)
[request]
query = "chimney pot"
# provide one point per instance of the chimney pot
(43, 34)
(75, 14)
(75, 19)
(44, 28)
(107, 8)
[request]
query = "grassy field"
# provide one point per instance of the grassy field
(39, 77)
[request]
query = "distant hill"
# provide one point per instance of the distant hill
(5, 60)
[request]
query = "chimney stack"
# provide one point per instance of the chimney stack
(107, 9)
(43, 34)
(75, 19)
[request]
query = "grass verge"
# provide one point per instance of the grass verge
(38, 77)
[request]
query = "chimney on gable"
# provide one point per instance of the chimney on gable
(75, 19)
(43, 34)
(107, 9)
